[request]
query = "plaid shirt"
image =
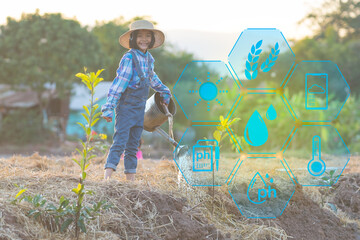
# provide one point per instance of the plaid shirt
(124, 79)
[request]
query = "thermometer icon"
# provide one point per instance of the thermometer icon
(316, 165)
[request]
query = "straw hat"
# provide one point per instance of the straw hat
(142, 25)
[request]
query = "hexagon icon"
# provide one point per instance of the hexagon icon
(261, 187)
(265, 123)
(204, 161)
(317, 91)
(315, 153)
(205, 90)
(261, 58)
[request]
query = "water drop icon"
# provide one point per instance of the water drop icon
(256, 132)
(257, 182)
(271, 113)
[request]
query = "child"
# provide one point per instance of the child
(128, 94)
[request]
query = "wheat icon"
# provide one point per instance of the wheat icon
(251, 65)
(270, 61)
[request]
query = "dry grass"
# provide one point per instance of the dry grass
(54, 177)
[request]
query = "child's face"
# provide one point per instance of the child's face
(143, 40)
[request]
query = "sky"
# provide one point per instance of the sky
(226, 17)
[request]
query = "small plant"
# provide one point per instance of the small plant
(58, 218)
(330, 178)
(78, 212)
(220, 134)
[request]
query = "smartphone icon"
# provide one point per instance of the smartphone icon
(316, 91)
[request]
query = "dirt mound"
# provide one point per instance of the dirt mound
(347, 195)
(154, 215)
(305, 219)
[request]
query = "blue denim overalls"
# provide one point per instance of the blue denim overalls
(129, 122)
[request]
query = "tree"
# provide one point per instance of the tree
(108, 35)
(342, 15)
(336, 28)
(40, 51)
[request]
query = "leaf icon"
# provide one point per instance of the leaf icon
(247, 74)
(262, 65)
(276, 46)
(255, 73)
(258, 44)
(254, 67)
(251, 63)
(250, 57)
(248, 66)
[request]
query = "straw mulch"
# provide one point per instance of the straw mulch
(156, 206)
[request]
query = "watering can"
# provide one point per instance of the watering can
(156, 114)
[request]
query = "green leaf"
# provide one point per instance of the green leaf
(86, 110)
(234, 121)
(80, 152)
(87, 85)
(83, 77)
(97, 115)
(107, 206)
(325, 179)
(76, 161)
(220, 128)
(82, 142)
(42, 203)
(66, 224)
(97, 81)
(99, 72)
(77, 190)
(83, 175)
(83, 127)
(19, 193)
(36, 199)
(86, 117)
(94, 122)
(84, 154)
(217, 135)
(82, 225)
(32, 212)
(63, 202)
(50, 208)
(87, 166)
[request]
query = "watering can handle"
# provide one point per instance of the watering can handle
(167, 113)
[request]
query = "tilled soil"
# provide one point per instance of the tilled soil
(347, 195)
(305, 219)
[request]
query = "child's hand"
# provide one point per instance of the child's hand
(165, 107)
(108, 119)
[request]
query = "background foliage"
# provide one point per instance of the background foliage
(46, 50)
